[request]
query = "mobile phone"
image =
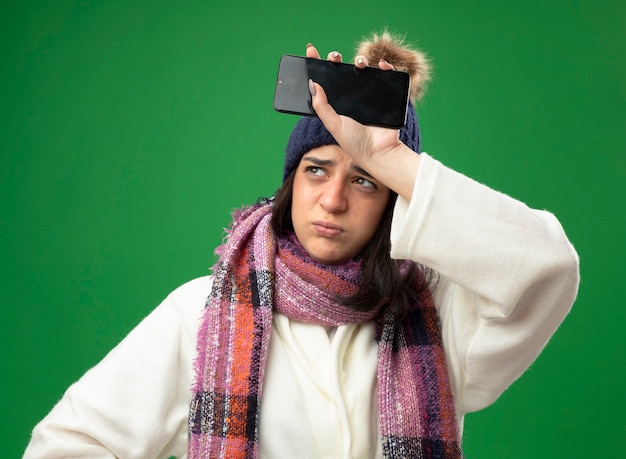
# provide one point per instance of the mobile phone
(370, 95)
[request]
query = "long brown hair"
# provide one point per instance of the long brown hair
(382, 281)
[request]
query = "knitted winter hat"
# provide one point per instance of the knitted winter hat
(311, 133)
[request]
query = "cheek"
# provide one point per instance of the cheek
(373, 220)
(299, 211)
(296, 207)
(373, 217)
(302, 198)
(296, 195)
(374, 211)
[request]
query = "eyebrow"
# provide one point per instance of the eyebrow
(330, 162)
(320, 162)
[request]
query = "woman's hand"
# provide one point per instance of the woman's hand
(378, 150)
(358, 140)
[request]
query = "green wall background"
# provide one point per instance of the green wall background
(130, 130)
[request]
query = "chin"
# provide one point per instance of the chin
(327, 258)
(328, 252)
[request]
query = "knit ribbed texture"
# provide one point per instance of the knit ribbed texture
(417, 418)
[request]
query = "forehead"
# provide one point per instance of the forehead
(333, 156)
(328, 153)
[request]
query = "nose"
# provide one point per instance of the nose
(333, 198)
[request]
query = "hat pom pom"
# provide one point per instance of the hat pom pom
(393, 49)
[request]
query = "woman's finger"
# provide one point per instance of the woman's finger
(334, 56)
(311, 51)
(384, 65)
(360, 62)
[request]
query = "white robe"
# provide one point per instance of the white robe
(508, 277)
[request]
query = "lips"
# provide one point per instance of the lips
(327, 229)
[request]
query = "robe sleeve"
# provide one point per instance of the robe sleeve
(508, 277)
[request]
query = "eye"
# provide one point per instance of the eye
(315, 171)
(365, 183)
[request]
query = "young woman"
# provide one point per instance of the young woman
(361, 312)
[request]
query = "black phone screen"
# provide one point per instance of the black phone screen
(370, 95)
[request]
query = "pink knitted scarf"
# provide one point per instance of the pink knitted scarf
(257, 274)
